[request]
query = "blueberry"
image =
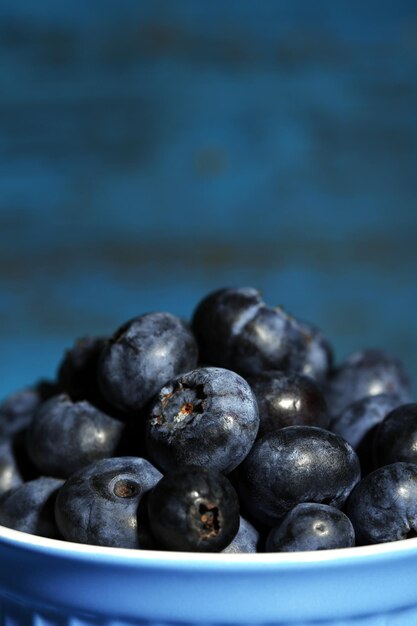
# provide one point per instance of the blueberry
(207, 417)
(288, 400)
(77, 372)
(219, 317)
(10, 475)
(193, 509)
(293, 465)
(142, 356)
(65, 436)
(47, 389)
(358, 422)
(246, 540)
(104, 504)
(395, 438)
(311, 526)
(236, 330)
(15, 467)
(319, 357)
(366, 373)
(17, 410)
(361, 417)
(383, 506)
(30, 507)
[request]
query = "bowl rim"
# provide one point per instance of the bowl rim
(66, 549)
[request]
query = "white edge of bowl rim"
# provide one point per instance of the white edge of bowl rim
(58, 547)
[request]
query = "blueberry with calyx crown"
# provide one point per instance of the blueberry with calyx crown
(206, 417)
(193, 509)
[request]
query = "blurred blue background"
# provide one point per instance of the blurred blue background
(153, 151)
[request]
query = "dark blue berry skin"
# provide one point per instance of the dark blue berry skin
(104, 504)
(47, 389)
(77, 372)
(219, 317)
(383, 506)
(10, 474)
(319, 355)
(236, 330)
(246, 540)
(288, 400)
(193, 509)
(395, 438)
(366, 373)
(359, 421)
(361, 417)
(65, 436)
(206, 417)
(142, 356)
(30, 507)
(17, 410)
(78, 375)
(311, 526)
(15, 465)
(16, 413)
(293, 465)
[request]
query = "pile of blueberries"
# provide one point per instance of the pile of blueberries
(236, 432)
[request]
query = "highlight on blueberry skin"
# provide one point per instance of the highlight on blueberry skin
(235, 329)
(311, 526)
(14, 467)
(293, 465)
(104, 504)
(142, 356)
(206, 417)
(288, 399)
(383, 506)
(193, 509)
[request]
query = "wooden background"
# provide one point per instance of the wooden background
(152, 151)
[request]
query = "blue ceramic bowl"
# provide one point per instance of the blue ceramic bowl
(45, 582)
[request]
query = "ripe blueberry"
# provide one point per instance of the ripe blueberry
(236, 330)
(395, 438)
(103, 504)
(366, 373)
(318, 359)
(142, 356)
(30, 507)
(288, 400)
(207, 417)
(293, 465)
(77, 372)
(383, 506)
(17, 410)
(193, 509)
(246, 540)
(65, 436)
(311, 526)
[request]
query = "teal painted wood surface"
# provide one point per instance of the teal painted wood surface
(150, 152)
